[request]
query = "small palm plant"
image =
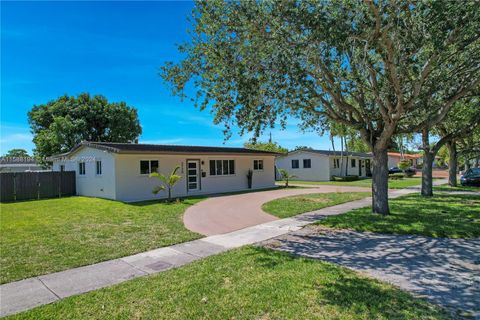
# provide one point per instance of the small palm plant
(167, 182)
(286, 176)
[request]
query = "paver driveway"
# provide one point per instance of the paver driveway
(445, 271)
(224, 214)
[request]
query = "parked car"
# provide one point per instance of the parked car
(394, 170)
(471, 177)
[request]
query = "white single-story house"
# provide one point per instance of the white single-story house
(120, 171)
(322, 165)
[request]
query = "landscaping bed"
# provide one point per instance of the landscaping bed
(443, 215)
(44, 236)
(247, 283)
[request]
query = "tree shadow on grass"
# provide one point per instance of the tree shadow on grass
(452, 216)
(443, 270)
(347, 291)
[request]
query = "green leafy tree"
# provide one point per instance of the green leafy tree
(404, 165)
(17, 153)
(265, 146)
(286, 176)
(166, 182)
(61, 124)
(363, 64)
(302, 148)
(461, 122)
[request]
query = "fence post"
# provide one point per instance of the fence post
(14, 187)
(60, 176)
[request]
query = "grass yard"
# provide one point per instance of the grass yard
(392, 184)
(447, 188)
(443, 215)
(290, 206)
(247, 283)
(39, 237)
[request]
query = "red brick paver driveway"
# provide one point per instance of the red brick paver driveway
(228, 213)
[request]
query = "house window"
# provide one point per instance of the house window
(295, 164)
(354, 163)
(222, 167)
(148, 166)
(62, 167)
(307, 163)
(336, 163)
(81, 168)
(258, 165)
(99, 167)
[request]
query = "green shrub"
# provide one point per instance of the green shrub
(396, 176)
(345, 178)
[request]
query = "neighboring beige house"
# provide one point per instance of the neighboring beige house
(321, 165)
(120, 171)
(394, 158)
(415, 159)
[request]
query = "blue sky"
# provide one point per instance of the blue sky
(111, 48)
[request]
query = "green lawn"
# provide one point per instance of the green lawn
(39, 237)
(392, 184)
(290, 206)
(457, 188)
(247, 283)
(443, 215)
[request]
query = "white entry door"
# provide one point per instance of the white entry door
(193, 175)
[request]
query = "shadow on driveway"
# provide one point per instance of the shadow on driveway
(445, 271)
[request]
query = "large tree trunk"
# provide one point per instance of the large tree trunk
(428, 157)
(452, 163)
(380, 182)
(427, 176)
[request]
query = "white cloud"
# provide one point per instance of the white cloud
(16, 138)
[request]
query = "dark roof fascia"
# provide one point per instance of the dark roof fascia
(112, 148)
(332, 153)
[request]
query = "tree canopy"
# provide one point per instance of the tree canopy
(368, 65)
(62, 123)
(18, 153)
(265, 146)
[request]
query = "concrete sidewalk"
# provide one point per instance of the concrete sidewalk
(29, 293)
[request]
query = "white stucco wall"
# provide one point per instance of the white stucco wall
(132, 186)
(322, 166)
(351, 171)
(319, 171)
(91, 184)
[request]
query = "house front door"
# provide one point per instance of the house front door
(193, 175)
(359, 168)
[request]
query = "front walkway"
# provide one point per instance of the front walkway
(445, 271)
(29, 293)
(224, 214)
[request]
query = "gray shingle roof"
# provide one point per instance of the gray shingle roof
(161, 148)
(337, 153)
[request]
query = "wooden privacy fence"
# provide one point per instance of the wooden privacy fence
(16, 186)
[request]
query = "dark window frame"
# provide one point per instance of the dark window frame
(82, 169)
(258, 165)
(309, 161)
(221, 167)
(295, 164)
(148, 170)
(353, 163)
(98, 167)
